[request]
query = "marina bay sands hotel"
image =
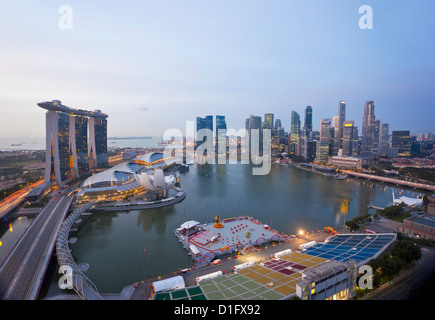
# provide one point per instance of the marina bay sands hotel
(76, 142)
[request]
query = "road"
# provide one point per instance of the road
(24, 268)
(11, 202)
(417, 284)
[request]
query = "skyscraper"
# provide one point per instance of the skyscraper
(254, 122)
(295, 131)
(308, 119)
(203, 123)
(323, 146)
(338, 127)
(268, 121)
(383, 140)
(98, 142)
(69, 153)
(368, 130)
(221, 134)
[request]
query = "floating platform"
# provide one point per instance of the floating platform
(205, 242)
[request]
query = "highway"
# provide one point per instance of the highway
(15, 199)
(23, 271)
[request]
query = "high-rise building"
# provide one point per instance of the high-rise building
(295, 132)
(98, 142)
(325, 137)
(383, 140)
(402, 141)
(69, 153)
(268, 122)
(348, 138)
(78, 137)
(203, 123)
(368, 131)
(278, 124)
(338, 127)
(221, 133)
(308, 119)
(254, 122)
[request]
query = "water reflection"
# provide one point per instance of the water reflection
(288, 199)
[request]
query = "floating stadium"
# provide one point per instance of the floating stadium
(316, 271)
(151, 175)
(204, 242)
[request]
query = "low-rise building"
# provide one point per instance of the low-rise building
(333, 280)
(346, 162)
(423, 227)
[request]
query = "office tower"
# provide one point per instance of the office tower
(402, 141)
(368, 129)
(278, 124)
(68, 151)
(348, 138)
(203, 123)
(311, 150)
(295, 131)
(376, 137)
(335, 133)
(268, 122)
(221, 134)
(255, 123)
(323, 145)
(356, 144)
(383, 140)
(308, 119)
(338, 127)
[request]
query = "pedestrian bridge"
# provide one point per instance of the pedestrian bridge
(79, 281)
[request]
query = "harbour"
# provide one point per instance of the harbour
(288, 200)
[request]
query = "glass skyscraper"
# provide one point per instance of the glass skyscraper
(295, 132)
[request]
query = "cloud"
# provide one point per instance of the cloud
(144, 109)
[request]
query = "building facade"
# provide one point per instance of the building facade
(402, 141)
(72, 150)
(332, 280)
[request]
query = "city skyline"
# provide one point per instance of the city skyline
(217, 58)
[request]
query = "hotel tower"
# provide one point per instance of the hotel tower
(76, 141)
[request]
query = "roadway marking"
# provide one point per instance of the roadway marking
(26, 258)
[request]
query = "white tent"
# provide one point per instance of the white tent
(188, 225)
(169, 284)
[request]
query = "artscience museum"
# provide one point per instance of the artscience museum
(148, 177)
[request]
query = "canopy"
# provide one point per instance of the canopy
(412, 202)
(188, 225)
(169, 284)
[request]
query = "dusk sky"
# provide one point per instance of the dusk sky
(153, 65)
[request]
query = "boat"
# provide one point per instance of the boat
(164, 143)
(340, 176)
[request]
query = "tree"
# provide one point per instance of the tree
(352, 225)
